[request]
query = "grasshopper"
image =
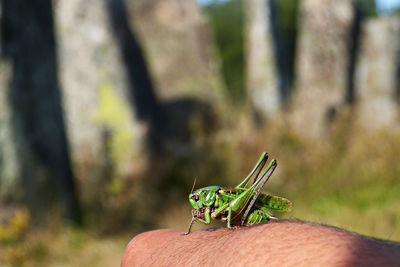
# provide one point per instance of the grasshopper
(239, 205)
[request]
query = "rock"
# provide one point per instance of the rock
(8, 159)
(322, 64)
(376, 81)
(262, 84)
(177, 40)
(100, 119)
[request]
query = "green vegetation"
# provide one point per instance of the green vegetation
(368, 7)
(114, 115)
(227, 20)
(64, 247)
(287, 13)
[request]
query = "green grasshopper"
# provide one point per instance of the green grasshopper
(238, 206)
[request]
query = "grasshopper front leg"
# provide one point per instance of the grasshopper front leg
(220, 210)
(195, 217)
(190, 226)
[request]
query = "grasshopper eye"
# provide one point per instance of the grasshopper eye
(195, 197)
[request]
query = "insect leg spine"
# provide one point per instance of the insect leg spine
(259, 216)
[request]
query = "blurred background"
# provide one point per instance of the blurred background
(109, 109)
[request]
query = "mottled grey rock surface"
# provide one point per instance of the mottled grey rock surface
(322, 58)
(261, 71)
(376, 77)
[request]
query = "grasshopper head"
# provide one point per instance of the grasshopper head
(194, 199)
(203, 197)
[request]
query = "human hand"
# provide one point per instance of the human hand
(282, 243)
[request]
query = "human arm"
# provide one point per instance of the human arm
(284, 243)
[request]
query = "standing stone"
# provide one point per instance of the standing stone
(35, 108)
(377, 107)
(262, 83)
(8, 159)
(177, 40)
(322, 64)
(101, 123)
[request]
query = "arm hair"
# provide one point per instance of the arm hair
(284, 243)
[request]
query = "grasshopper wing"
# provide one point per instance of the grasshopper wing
(273, 203)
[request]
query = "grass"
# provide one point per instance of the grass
(64, 247)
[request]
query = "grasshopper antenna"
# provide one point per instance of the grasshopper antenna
(194, 183)
(193, 218)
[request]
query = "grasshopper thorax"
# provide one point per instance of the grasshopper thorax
(203, 197)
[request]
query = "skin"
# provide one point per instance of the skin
(283, 243)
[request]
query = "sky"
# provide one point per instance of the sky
(383, 6)
(206, 2)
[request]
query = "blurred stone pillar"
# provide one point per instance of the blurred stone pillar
(377, 106)
(105, 136)
(322, 64)
(9, 165)
(177, 40)
(36, 113)
(8, 155)
(262, 81)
